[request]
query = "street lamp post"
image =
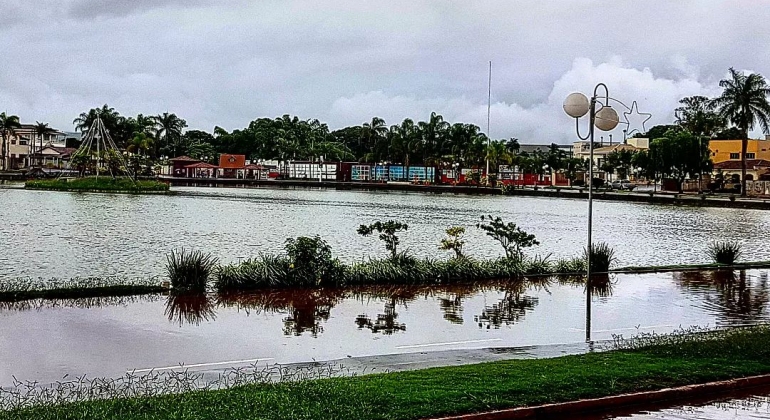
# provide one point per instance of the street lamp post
(605, 118)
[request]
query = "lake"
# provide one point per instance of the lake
(55, 234)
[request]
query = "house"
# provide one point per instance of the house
(582, 150)
(232, 166)
(178, 165)
(201, 170)
(730, 150)
(51, 157)
(755, 168)
(26, 141)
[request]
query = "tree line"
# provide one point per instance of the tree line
(677, 151)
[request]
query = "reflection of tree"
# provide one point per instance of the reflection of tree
(385, 323)
(735, 297)
(452, 307)
(306, 308)
(510, 309)
(191, 308)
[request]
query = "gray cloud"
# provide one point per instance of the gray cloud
(228, 62)
(90, 9)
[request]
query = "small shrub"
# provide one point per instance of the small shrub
(311, 262)
(602, 257)
(454, 241)
(387, 231)
(510, 236)
(725, 252)
(189, 270)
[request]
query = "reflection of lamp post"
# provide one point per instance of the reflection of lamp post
(577, 105)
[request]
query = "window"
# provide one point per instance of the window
(735, 155)
(751, 156)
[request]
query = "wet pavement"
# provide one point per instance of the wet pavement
(743, 405)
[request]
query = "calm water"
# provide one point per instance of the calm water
(44, 340)
(52, 234)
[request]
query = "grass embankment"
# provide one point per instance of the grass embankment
(692, 267)
(645, 364)
(101, 184)
(20, 289)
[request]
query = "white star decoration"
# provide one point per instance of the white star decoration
(639, 118)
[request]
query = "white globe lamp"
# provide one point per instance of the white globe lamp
(606, 119)
(576, 105)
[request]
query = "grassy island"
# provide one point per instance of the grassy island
(101, 184)
(643, 363)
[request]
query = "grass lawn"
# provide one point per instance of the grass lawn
(644, 364)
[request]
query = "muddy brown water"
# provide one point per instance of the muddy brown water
(45, 340)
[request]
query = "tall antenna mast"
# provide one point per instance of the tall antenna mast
(489, 108)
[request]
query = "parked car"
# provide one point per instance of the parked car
(623, 184)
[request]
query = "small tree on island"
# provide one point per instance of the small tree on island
(387, 231)
(454, 241)
(510, 236)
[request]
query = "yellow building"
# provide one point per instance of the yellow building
(726, 150)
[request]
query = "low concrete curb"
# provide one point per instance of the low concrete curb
(618, 402)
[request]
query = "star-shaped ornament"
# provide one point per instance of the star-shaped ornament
(635, 120)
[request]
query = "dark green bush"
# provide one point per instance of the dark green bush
(725, 252)
(602, 257)
(189, 270)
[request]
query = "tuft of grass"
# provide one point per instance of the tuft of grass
(190, 270)
(602, 257)
(570, 266)
(725, 252)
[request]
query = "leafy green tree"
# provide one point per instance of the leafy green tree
(697, 116)
(8, 126)
(677, 155)
(744, 103)
(454, 241)
(434, 132)
(311, 261)
(387, 231)
(512, 238)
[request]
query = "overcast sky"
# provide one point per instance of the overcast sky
(228, 62)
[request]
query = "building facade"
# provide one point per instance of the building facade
(730, 150)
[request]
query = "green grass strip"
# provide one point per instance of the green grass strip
(93, 184)
(690, 359)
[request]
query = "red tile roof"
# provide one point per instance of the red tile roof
(736, 164)
(201, 165)
(253, 166)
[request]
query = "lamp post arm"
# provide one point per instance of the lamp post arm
(606, 94)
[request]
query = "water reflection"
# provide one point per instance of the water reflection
(86, 303)
(734, 297)
(190, 308)
(304, 308)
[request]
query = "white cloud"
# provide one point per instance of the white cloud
(543, 122)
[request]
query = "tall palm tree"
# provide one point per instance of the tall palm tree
(744, 102)
(433, 133)
(373, 133)
(41, 129)
(169, 131)
(108, 115)
(8, 126)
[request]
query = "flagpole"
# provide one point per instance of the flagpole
(489, 107)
